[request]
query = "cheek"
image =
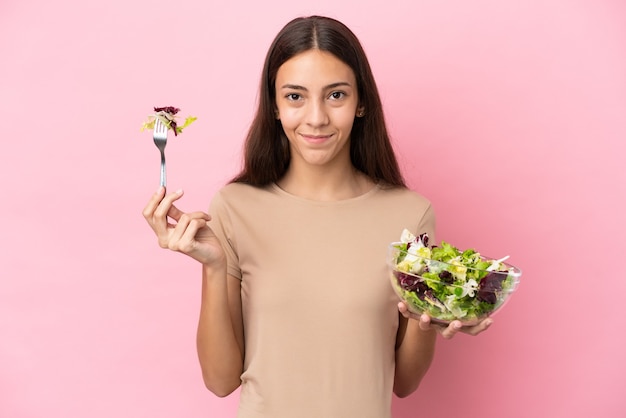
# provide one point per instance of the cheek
(289, 118)
(344, 120)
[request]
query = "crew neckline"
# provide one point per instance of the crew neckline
(360, 197)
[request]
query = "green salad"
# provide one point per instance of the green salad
(447, 283)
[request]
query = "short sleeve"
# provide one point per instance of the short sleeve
(428, 224)
(222, 227)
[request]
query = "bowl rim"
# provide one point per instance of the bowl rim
(512, 269)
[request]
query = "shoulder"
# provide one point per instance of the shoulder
(238, 192)
(237, 189)
(402, 196)
(410, 208)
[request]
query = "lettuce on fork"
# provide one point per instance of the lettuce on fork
(167, 115)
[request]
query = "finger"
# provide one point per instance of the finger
(154, 201)
(196, 215)
(160, 223)
(174, 213)
(178, 231)
(451, 330)
(177, 214)
(186, 228)
(404, 310)
(480, 327)
(426, 324)
(184, 235)
(164, 207)
(188, 240)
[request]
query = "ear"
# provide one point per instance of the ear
(360, 112)
(276, 114)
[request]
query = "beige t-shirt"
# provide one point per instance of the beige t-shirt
(320, 316)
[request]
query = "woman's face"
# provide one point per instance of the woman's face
(316, 101)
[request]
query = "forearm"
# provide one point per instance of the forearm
(414, 356)
(219, 347)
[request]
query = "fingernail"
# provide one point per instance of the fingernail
(457, 325)
(179, 191)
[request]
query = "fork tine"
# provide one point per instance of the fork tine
(159, 128)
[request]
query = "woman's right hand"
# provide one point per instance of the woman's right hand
(189, 233)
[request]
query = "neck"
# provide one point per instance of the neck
(324, 183)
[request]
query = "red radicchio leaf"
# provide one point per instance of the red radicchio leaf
(168, 109)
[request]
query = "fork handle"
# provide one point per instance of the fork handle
(163, 175)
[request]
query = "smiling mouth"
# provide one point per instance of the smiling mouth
(316, 137)
(316, 140)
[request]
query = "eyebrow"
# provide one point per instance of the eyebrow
(330, 86)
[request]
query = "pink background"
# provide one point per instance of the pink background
(509, 115)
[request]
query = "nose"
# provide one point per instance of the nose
(317, 114)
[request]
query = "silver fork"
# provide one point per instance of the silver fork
(159, 134)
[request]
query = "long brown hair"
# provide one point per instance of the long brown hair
(266, 150)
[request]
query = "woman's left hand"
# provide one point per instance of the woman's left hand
(446, 332)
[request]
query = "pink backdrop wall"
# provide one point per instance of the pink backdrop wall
(509, 116)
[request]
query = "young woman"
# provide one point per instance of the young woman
(296, 306)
